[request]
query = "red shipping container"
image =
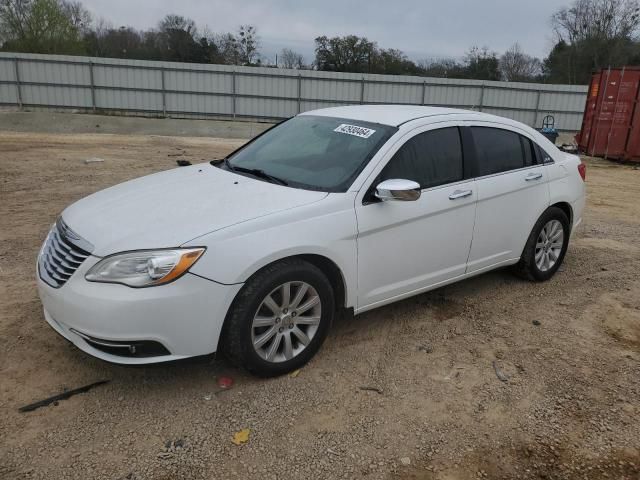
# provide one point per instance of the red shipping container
(611, 122)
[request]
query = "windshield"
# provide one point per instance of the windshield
(313, 152)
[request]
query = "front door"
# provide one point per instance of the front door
(408, 246)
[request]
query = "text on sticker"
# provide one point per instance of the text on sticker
(354, 130)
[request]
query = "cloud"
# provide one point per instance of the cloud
(421, 28)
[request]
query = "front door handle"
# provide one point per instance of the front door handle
(460, 194)
(533, 176)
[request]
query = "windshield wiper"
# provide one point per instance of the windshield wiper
(256, 172)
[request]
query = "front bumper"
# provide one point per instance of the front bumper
(185, 317)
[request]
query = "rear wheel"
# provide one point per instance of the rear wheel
(546, 246)
(280, 318)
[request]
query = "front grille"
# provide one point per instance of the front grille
(59, 257)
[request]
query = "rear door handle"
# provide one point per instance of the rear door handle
(460, 194)
(533, 176)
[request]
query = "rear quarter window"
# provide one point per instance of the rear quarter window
(543, 156)
(529, 152)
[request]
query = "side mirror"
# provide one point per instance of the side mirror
(398, 189)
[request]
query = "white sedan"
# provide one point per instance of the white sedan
(348, 207)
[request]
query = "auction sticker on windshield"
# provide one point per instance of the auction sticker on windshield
(354, 130)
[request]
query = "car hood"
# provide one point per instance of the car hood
(168, 209)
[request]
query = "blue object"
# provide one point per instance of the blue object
(549, 128)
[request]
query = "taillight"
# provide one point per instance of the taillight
(582, 169)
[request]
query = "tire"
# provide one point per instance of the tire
(251, 305)
(529, 266)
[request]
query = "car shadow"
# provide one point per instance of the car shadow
(442, 303)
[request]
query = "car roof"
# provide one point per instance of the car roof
(393, 115)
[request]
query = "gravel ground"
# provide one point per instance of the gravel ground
(408, 391)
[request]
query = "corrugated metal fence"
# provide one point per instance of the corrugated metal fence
(221, 91)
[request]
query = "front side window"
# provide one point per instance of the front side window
(313, 152)
(431, 158)
(499, 150)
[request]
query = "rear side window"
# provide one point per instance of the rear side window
(529, 152)
(543, 157)
(431, 158)
(500, 150)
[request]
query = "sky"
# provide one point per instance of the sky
(420, 28)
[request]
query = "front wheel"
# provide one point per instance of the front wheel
(280, 318)
(546, 246)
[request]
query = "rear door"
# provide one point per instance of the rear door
(512, 188)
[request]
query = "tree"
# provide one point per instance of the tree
(79, 16)
(247, 44)
(228, 48)
(291, 59)
(517, 66)
(177, 22)
(442, 68)
(209, 51)
(174, 40)
(562, 64)
(478, 63)
(597, 19)
(42, 26)
(393, 62)
(66, 27)
(345, 54)
(592, 34)
(482, 64)
(123, 42)
(177, 38)
(360, 55)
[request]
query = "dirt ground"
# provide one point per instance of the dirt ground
(12, 120)
(408, 391)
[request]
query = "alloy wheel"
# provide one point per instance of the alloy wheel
(286, 321)
(549, 245)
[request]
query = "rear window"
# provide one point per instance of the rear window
(500, 150)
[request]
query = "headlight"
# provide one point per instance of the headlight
(144, 268)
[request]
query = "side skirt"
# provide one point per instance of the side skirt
(412, 293)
